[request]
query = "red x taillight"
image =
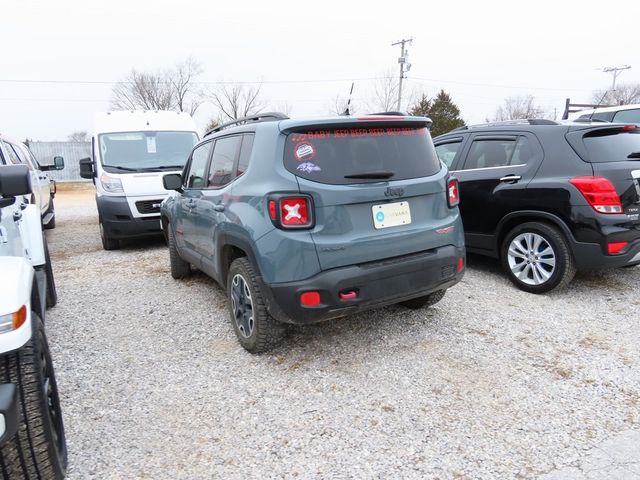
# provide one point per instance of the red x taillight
(291, 211)
(453, 192)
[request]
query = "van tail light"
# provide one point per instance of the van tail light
(453, 192)
(291, 212)
(599, 193)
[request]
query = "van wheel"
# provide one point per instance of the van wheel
(256, 330)
(38, 449)
(52, 293)
(179, 268)
(537, 258)
(108, 243)
(424, 301)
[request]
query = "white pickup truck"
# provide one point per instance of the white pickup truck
(13, 152)
(32, 439)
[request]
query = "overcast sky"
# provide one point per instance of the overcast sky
(306, 53)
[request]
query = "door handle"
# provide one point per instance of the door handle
(190, 203)
(219, 207)
(510, 178)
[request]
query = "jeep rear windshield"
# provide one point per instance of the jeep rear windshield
(613, 145)
(140, 151)
(361, 155)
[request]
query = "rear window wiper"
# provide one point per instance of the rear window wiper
(371, 175)
(634, 155)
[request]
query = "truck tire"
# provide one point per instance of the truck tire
(108, 243)
(38, 450)
(424, 301)
(256, 330)
(179, 268)
(52, 293)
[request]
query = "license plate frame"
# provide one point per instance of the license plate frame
(387, 215)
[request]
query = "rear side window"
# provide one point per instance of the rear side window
(490, 153)
(447, 152)
(363, 154)
(628, 116)
(245, 154)
(612, 145)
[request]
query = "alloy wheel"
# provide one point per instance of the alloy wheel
(242, 305)
(532, 259)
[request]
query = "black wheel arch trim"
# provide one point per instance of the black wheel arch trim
(557, 221)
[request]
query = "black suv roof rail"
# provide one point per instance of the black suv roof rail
(524, 121)
(258, 117)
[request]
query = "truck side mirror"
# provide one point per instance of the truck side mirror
(86, 168)
(58, 163)
(172, 181)
(15, 180)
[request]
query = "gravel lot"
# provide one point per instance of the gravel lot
(490, 383)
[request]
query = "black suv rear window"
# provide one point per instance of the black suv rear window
(613, 145)
(359, 155)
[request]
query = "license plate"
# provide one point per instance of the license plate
(391, 215)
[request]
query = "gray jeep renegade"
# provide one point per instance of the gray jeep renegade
(308, 220)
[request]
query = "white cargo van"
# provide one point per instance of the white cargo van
(131, 152)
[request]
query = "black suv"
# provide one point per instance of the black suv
(548, 198)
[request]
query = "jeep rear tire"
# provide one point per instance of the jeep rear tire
(179, 268)
(38, 450)
(424, 301)
(256, 330)
(536, 257)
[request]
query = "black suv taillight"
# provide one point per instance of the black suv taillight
(293, 211)
(453, 192)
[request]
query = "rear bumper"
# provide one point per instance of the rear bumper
(589, 256)
(9, 415)
(119, 223)
(376, 284)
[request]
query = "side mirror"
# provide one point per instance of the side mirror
(172, 181)
(58, 163)
(15, 180)
(86, 168)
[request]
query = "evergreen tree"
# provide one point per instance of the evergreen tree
(441, 110)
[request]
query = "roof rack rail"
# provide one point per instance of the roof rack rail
(522, 121)
(258, 117)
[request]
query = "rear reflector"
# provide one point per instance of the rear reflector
(460, 265)
(310, 299)
(453, 192)
(628, 128)
(615, 248)
(599, 193)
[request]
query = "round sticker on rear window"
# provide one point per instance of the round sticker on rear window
(304, 151)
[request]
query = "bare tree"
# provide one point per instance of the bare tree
(624, 94)
(188, 97)
(168, 89)
(385, 93)
(515, 108)
(236, 101)
(79, 136)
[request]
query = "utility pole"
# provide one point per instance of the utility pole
(616, 71)
(405, 66)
